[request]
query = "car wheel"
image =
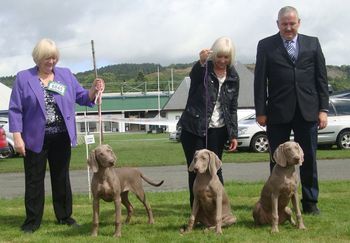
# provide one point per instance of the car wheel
(260, 143)
(343, 140)
(8, 154)
(5, 155)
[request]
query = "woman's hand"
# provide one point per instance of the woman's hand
(233, 145)
(203, 55)
(97, 86)
(19, 143)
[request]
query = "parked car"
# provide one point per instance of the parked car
(9, 137)
(175, 136)
(4, 148)
(252, 136)
(343, 94)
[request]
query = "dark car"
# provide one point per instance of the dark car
(4, 148)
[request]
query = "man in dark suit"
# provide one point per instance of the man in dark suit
(291, 93)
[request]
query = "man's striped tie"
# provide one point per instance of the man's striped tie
(291, 50)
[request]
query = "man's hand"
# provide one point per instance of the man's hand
(261, 120)
(322, 120)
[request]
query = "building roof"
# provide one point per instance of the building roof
(179, 99)
(246, 91)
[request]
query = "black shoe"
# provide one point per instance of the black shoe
(28, 230)
(69, 222)
(311, 209)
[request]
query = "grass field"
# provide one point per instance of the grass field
(140, 149)
(171, 212)
(171, 209)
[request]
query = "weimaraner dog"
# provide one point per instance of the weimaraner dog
(113, 185)
(281, 187)
(211, 205)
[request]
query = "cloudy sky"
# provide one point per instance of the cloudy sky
(158, 31)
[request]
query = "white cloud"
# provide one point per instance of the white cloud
(158, 31)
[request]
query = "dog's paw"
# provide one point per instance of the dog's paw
(185, 229)
(301, 226)
(218, 229)
(274, 230)
(94, 233)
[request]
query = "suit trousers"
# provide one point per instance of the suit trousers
(217, 137)
(57, 150)
(305, 133)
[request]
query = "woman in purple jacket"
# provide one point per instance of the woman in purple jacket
(42, 120)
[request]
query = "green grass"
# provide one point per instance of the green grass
(171, 212)
(140, 149)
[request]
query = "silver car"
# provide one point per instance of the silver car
(253, 137)
(241, 114)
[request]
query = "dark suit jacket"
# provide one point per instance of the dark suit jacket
(279, 84)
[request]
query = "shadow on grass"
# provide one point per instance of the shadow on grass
(11, 221)
(159, 211)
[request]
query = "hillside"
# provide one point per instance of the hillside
(143, 77)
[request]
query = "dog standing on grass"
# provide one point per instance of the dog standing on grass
(211, 206)
(113, 185)
(281, 187)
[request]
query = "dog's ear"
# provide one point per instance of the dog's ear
(214, 163)
(301, 153)
(191, 167)
(92, 162)
(279, 156)
(113, 154)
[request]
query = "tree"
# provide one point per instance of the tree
(140, 77)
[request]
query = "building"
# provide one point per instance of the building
(4, 97)
(115, 108)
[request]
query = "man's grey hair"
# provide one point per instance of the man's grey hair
(287, 9)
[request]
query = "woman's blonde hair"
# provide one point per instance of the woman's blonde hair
(45, 48)
(223, 46)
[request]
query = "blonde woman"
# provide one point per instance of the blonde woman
(42, 120)
(210, 117)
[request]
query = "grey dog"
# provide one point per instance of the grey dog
(113, 185)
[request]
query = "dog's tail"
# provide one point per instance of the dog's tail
(149, 181)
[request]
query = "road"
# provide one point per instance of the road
(175, 177)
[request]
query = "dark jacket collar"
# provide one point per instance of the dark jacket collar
(232, 73)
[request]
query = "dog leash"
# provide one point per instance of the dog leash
(98, 101)
(205, 82)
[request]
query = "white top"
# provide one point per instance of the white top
(217, 118)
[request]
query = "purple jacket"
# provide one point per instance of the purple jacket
(27, 106)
